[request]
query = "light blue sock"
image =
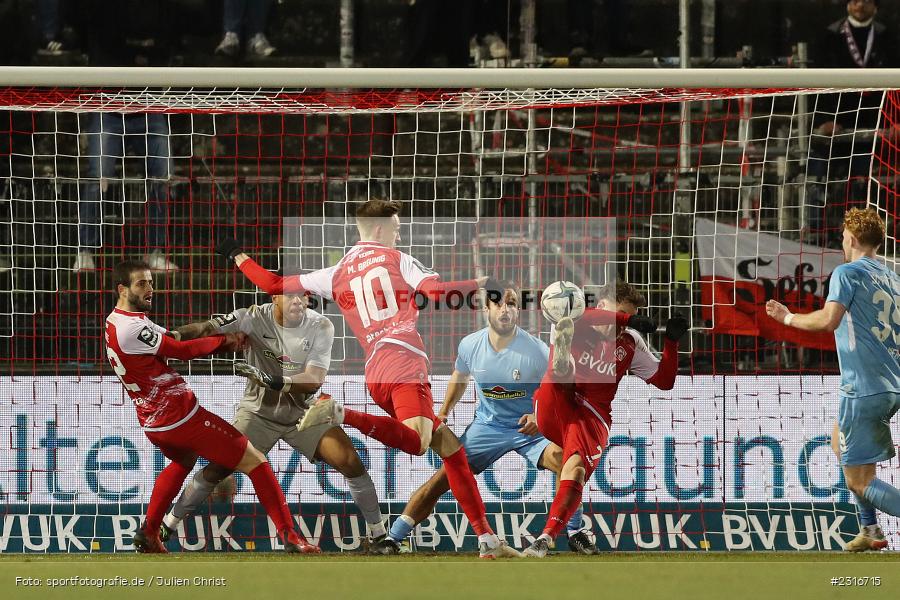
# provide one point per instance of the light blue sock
(401, 528)
(884, 497)
(576, 523)
(866, 511)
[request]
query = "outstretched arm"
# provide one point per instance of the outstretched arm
(824, 319)
(193, 331)
(271, 283)
(267, 281)
(187, 350)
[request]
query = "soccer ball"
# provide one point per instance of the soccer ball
(562, 299)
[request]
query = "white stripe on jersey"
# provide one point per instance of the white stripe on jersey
(179, 423)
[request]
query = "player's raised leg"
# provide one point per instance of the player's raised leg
(387, 430)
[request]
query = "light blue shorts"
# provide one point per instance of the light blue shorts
(865, 430)
(485, 445)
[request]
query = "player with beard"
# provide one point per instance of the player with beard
(507, 364)
(171, 416)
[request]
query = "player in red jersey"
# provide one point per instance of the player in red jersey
(573, 405)
(171, 416)
(379, 290)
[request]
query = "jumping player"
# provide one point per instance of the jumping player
(285, 336)
(868, 348)
(573, 405)
(507, 364)
(171, 416)
(378, 289)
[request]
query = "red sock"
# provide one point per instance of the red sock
(272, 498)
(463, 486)
(567, 499)
(166, 487)
(387, 430)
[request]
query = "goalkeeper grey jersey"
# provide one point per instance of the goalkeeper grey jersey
(279, 350)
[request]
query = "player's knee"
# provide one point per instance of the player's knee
(553, 458)
(577, 474)
(574, 469)
(424, 442)
(351, 467)
(857, 485)
(214, 473)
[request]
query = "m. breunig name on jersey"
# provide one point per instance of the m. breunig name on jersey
(498, 392)
(284, 361)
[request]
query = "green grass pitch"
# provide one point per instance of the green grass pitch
(258, 576)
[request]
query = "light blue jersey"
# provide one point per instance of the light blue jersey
(505, 380)
(868, 338)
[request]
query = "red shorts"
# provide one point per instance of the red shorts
(398, 382)
(565, 419)
(204, 434)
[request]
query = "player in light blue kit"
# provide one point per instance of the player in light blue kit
(863, 310)
(507, 364)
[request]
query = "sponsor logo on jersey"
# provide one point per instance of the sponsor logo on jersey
(148, 336)
(498, 392)
(285, 361)
(597, 364)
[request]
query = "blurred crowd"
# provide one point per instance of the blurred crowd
(422, 32)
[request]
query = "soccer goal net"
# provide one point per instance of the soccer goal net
(708, 199)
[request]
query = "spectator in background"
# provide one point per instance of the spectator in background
(109, 135)
(857, 40)
(454, 29)
(249, 17)
(844, 124)
(49, 25)
(126, 33)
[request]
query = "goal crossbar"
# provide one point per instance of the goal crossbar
(382, 78)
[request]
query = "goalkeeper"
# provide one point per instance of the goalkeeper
(285, 337)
